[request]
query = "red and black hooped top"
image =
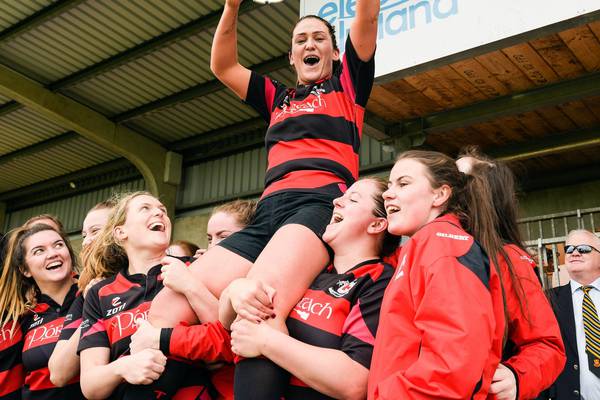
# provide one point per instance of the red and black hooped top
(41, 330)
(314, 132)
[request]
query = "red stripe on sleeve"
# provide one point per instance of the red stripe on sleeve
(97, 327)
(270, 91)
(74, 324)
(346, 80)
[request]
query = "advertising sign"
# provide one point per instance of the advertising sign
(414, 32)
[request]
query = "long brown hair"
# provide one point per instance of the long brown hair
(470, 200)
(105, 257)
(18, 293)
(500, 180)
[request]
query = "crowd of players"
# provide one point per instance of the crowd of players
(306, 294)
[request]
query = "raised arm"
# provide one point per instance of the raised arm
(224, 54)
(363, 32)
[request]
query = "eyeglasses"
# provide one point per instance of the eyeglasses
(581, 248)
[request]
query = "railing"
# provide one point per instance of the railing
(545, 234)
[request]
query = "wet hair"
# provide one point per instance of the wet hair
(242, 210)
(500, 180)
(34, 220)
(470, 200)
(390, 242)
(18, 293)
(189, 247)
(105, 257)
(330, 30)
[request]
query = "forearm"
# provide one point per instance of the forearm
(100, 381)
(224, 52)
(299, 359)
(363, 32)
(203, 302)
(64, 362)
(226, 312)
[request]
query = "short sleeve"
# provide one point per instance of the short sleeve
(93, 330)
(73, 318)
(360, 328)
(262, 92)
(357, 76)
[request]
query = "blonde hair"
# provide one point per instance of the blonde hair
(18, 293)
(104, 257)
(242, 210)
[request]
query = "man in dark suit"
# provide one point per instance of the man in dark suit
(576, 306)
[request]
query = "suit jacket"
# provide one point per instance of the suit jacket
(567, 384)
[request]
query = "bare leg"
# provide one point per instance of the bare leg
(215, 270)
(289, 263)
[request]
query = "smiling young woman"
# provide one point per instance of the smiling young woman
(37, 288)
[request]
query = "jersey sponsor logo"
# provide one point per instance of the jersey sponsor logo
(452, 236)
(308, 306)
(308, 105)
(400, 271)
(85, 324)
(343, 289)
(125, 322)
(44, 334)
(5, 334)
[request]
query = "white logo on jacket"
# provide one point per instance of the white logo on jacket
(400, 271)
(308, 306)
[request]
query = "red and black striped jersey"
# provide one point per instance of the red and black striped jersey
(340, 311)
(42, 328)
(72, 319)
(109, 313)
(314, 132)
(12, 375)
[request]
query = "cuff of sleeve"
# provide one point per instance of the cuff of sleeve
(516, 378)
(165, 340)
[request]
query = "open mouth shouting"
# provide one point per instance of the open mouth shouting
(311, 60)
(157, 227)
(54, 265)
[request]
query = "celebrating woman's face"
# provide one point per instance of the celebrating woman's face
(147, 224)
(47, 258)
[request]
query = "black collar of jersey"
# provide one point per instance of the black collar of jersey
(153, 271)
(45, 299)
(331, 267)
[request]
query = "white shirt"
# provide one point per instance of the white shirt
(590, 383)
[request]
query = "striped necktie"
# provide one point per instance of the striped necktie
(591, 327)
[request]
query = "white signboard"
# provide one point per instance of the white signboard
(413, 32)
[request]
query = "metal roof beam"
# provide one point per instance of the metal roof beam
(9, 107)
(93, 178)
(549, 95)
(191, 28)
(216, 135)
(200, 90)
(548, 145)
(39, 146)
(161, 168)
(38, 18)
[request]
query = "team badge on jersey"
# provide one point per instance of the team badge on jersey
(343, 288)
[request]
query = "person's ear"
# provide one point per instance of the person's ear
(377, 226)
(119, 233)
(441, 195)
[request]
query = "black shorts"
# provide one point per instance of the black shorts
(312, 210)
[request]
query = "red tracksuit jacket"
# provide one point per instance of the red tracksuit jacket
(437, 332)
(534, 351)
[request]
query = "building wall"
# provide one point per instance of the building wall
(564, 198)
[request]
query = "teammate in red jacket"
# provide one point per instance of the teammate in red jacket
(534, 354)
(437, 334)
